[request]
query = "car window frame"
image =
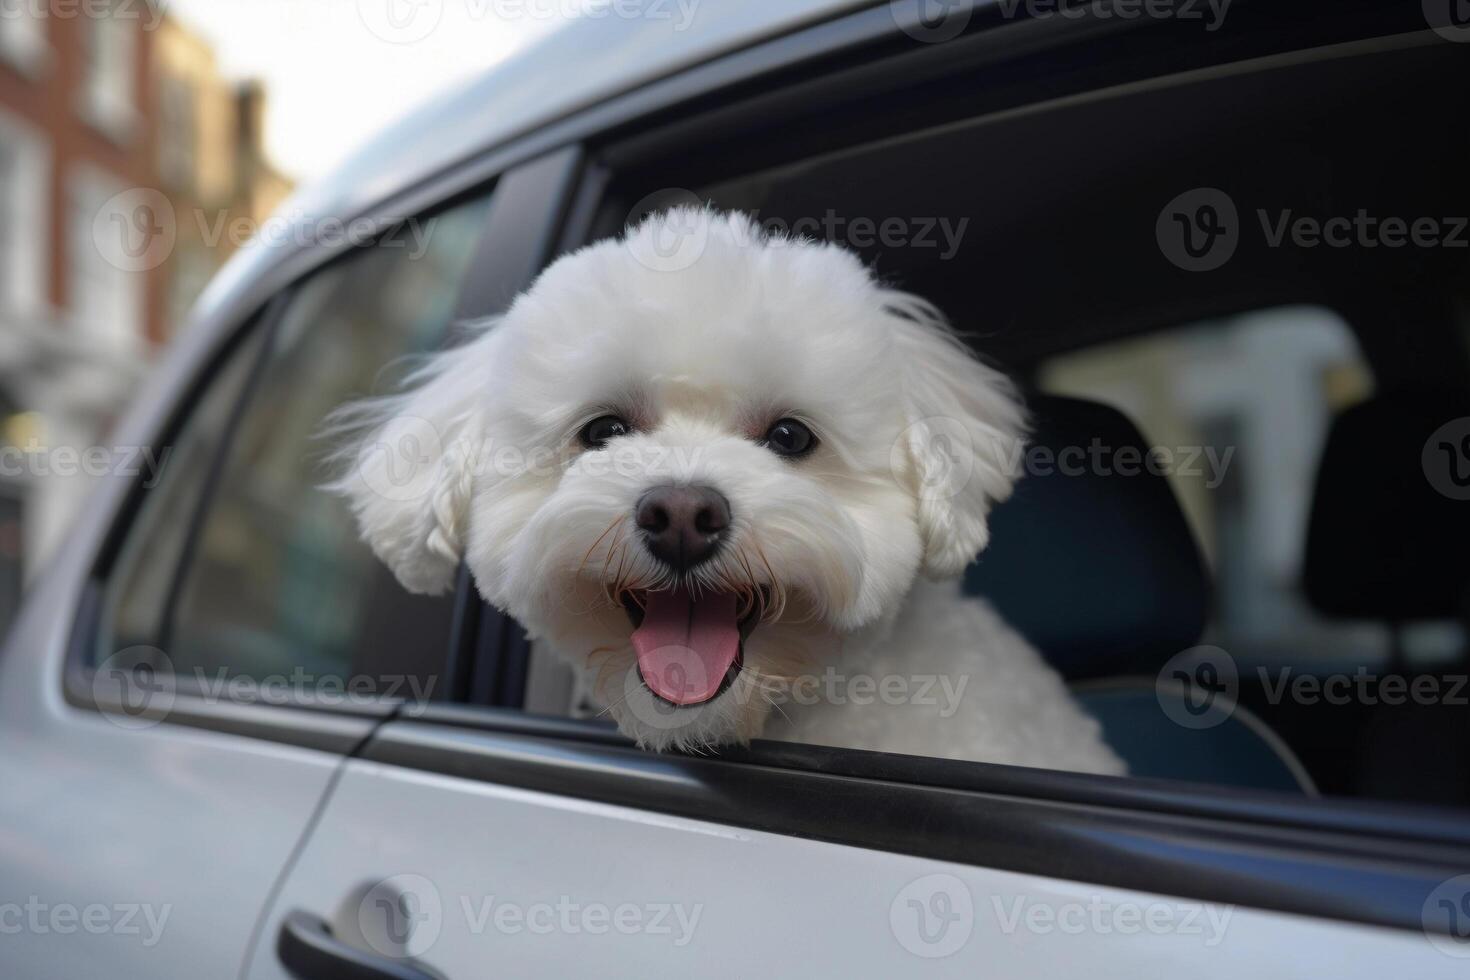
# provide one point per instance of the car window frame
(508, 251)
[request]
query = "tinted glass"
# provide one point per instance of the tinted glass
(276, 591)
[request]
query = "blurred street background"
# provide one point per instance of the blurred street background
(209, 112)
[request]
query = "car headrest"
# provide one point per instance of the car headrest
(1387, 535)
(1096, 567)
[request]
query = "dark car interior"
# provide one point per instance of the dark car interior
(1321, 549)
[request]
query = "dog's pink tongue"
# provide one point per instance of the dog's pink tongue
(686, 645)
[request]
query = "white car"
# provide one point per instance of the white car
(234, 747)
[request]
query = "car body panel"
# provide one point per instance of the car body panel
(505, 881)
(170, 838)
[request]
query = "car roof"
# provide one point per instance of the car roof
(588, 60)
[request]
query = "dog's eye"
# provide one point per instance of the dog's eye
(789, 437)
(595, 434)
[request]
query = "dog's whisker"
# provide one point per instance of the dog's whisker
(777, 705)
(611, 549)
(582, 566)
(777, 589)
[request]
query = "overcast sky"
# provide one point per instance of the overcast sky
(338, 70)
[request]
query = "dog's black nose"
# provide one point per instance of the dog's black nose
(682, 525)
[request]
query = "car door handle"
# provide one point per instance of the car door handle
(309, 951)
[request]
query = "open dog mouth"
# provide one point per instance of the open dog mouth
(690, 643)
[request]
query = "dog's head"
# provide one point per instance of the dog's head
(691, 460)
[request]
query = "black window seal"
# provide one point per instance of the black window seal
(532, 198)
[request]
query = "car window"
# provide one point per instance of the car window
(145, 568)
(274, 585)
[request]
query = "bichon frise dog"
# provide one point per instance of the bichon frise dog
(708, 466)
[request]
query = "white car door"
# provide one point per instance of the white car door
(459, 848)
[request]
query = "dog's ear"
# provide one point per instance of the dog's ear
(964, 433)
(407, 463)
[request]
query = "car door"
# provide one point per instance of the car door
(460, 848)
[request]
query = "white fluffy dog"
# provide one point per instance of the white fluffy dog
(707, 466)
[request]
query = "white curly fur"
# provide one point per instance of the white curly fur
(479, 459)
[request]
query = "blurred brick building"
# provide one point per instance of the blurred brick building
(125, 157)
